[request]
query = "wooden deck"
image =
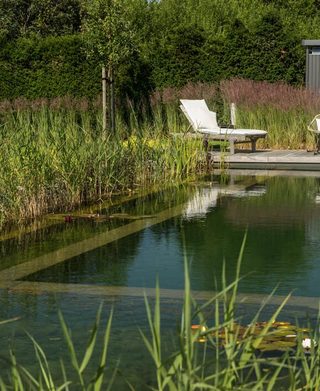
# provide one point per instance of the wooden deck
(266, 160)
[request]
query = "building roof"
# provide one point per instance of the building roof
(311, 42)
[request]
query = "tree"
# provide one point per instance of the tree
(110, 38)
(22, 18)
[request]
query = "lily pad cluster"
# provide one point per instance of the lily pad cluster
(277, 336)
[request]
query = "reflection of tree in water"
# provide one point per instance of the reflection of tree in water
(152, 203)
(30, 245)
(276, 235)
(109, 264)
(171, 198)
(45, 239)
(105, 265)
(277, 218)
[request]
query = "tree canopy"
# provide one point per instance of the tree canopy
(157, 43)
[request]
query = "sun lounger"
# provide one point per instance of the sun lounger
(205, 122)
(314, 127)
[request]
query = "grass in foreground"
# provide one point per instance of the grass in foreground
(219, 355)
(226, 356)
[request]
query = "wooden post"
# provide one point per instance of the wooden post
(233, 111)
(231, 146)
(104, 100)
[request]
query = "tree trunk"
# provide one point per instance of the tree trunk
(112, 111)
(104, 100)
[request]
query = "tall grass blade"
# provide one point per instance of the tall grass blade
(16, 379)
(91, 343)
(73, 355)
(255, 342)
(33, 383)
(43, 363)
(2, 385)
(98, 378)
(2, 322)
(64, 375)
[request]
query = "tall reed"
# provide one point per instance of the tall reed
(220, 355)
(22, 379)
(53, 157)
(283, 110)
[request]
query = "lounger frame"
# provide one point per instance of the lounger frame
(221, 133)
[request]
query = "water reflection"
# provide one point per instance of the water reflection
(54, 238)
(126, 350)
(104, 265)
(279, 222)
(281, 215)
(283, 246)
(206, 198)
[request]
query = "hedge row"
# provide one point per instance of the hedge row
(58, 66)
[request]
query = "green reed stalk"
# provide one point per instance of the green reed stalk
(223, 361)
(21, 379)
(236, 364)
(58, 159)
(286, 129)
(54, 155)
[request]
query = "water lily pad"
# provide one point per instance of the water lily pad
(281, 335)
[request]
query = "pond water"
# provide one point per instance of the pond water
(75, 265)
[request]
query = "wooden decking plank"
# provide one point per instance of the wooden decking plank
(270, 159)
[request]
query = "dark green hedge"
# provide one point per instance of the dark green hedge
(57, 66)
(265, 52)
(49, 67)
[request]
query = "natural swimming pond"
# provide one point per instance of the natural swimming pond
(75, 265)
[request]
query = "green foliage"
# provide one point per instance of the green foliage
(53, 159)
(237, 51)
(276, 58)
(22, 379)
(172, 55)
(220, 354)
(108, 31)
(282, 109)
(211, 350)
(58, 66)
(153, 44)
(251, 39)
(42, 17)
(50, 67)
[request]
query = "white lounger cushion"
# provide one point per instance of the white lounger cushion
(199, 114)
(205, 121)
(234, 132)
